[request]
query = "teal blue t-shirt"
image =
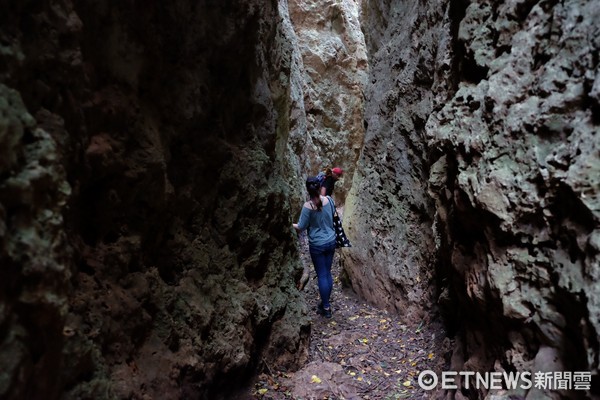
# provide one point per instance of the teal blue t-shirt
(319, 224)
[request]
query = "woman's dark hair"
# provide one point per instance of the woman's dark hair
(313, 186)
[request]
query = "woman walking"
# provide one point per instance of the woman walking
(317, 218)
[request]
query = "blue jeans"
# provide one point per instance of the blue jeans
(322, 258)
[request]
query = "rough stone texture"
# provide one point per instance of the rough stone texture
(335, 71)
(493, 108)
(176, 124)
(34, 269)
(517, 187)
(388, 213)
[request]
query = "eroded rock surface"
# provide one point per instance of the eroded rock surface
(493, 109)
(517, 187)
(388, 213)
(176, 124)
(34, 273)
(335, 71)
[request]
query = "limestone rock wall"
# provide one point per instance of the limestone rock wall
(335, 68)
(34, 277)
(146, 170)
(517, 187)
(388, 214)
(493, 109)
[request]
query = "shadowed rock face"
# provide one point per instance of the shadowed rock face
(167, 127)
(517, 186)
(388, 213)
(494, 110)
(34, 277)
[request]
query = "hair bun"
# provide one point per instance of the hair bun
(313, 184)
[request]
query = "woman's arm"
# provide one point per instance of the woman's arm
(303, 221)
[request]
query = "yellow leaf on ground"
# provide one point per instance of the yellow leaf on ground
(383, 320)
(262, 391)
(353, 318)
(352, 373)
(315, 379)
(406, 383)
(359, 378)
(430, 356)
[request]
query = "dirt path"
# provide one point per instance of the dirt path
(360, 353)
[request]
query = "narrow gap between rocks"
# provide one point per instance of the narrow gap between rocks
(362, 352)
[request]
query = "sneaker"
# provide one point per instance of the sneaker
(326, 312)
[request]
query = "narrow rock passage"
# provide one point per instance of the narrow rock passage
(360, 353)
